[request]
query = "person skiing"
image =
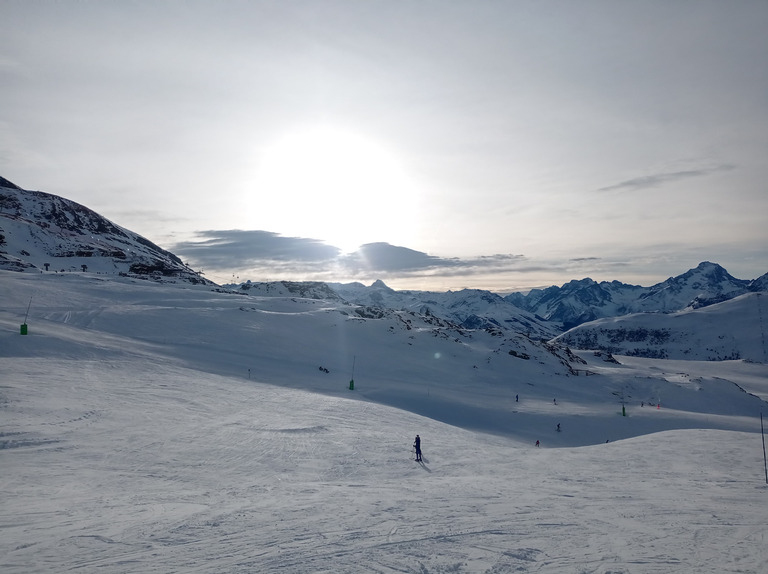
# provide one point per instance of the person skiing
(417, 446)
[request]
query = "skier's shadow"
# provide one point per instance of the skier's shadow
(423, 462)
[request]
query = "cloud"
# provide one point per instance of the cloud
(238, 249)
(270, 254)
(384, 257)
(658, 179)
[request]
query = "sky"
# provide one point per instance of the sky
(433, 145)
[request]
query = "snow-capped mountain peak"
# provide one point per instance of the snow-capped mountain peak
(584, 300)
(706, 284)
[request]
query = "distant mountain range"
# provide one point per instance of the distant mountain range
(585, 300)
(45, 233)
(563, 307)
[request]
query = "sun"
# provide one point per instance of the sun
(334, 185)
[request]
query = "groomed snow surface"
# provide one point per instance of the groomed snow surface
(133, 440)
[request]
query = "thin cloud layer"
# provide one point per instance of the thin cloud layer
(658, 179)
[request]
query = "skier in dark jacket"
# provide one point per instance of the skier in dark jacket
(417, 446)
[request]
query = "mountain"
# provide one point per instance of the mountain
(46, 233)
(707, 284)
(153, 427)
(547, 312)
(733, 329)
(578, 301)
(759, 284)
(303, 289)
(585, 300)
(166, 426)
(468, 308)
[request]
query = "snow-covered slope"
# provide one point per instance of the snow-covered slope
(734, 329)
(470, 308)
(174, 426)
(466, 309)
(164, 428)
(303, 289)
(469, 378)
(41, 232)
(286, 340)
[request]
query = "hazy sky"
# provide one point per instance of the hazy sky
(491, 144)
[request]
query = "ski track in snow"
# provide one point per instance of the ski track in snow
(116, 457)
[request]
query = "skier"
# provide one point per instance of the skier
(537, 444)
(517, 397)
(417, 446)
(558, 427)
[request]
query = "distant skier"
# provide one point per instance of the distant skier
(516, 397)
(417, 446)
(537, 444)
(558, 427)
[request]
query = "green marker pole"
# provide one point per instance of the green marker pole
(23, 328)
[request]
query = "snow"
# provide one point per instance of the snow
(43, 231)
(134, 438)
(732, 329)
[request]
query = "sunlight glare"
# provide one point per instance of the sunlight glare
(336, 186)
